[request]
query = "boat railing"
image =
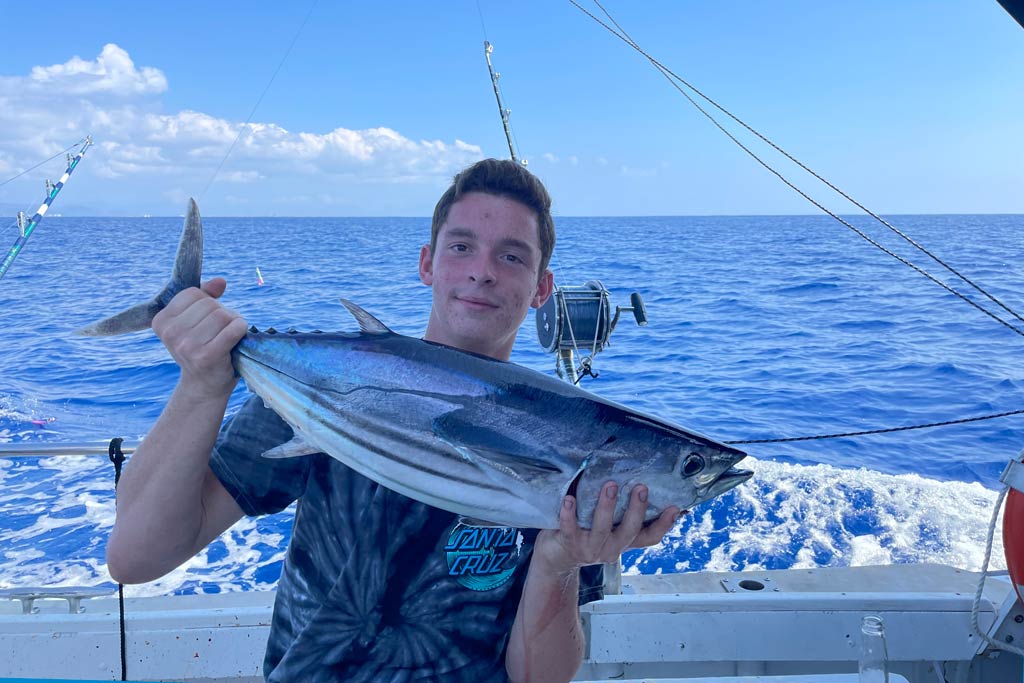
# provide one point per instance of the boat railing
(40, 450)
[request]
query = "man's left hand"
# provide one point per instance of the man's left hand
(564, 550)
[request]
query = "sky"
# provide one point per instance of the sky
(369, 109)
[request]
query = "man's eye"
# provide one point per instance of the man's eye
(458, 247)
(513, 258)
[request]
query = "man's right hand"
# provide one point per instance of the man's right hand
(199, 332)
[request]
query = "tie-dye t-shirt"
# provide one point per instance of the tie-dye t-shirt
(376, 586)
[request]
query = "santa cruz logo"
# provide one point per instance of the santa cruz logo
(483, 558)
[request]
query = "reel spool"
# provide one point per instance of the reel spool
(578, 320)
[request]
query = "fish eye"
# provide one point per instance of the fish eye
(693, 465)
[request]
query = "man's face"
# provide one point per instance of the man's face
(484, 273)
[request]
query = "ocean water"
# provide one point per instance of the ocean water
(760, 327)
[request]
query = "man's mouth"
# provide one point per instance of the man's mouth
(478, 303)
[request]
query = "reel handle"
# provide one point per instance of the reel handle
(637, 308)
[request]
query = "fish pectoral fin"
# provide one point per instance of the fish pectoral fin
(483, 445)
(292, 449)
(367, 323)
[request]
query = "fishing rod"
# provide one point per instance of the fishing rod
(26, 229)
(502, 109)
(571, 314)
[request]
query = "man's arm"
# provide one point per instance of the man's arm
(547, 642)
(170, 505)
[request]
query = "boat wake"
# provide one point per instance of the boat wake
(793, 516)
(56, 514)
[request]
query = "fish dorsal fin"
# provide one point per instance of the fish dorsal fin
(367, 323)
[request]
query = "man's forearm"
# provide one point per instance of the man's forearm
(160, 495)
(547, 641)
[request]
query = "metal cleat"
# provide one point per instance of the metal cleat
(73, 594)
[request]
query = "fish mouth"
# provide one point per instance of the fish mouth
(727, 481)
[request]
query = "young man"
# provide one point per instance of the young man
(376, 586)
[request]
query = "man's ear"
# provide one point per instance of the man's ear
(426, 265)
(544, 289)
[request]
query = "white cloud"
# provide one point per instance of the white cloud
(242, 176)
(112, 72)
(138, 144)
(634, 172)
(176, 196)
(550, 158)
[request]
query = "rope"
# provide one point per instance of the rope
(976, 605)
(880, 431)
(117, 457)
(670, 75)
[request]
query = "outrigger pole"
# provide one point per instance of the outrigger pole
(52, 191)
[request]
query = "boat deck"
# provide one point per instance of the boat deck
(772, 626)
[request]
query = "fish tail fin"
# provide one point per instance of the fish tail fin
(188, 269)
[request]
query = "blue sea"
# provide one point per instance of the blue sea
(760, 327)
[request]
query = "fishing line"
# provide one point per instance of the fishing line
(672, 77)
(63, 151)
(244, 126)
(483, 26)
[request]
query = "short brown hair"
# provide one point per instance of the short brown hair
(501, 178)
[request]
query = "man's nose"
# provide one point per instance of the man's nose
(482, 271)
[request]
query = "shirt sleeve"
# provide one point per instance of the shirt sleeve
(259, 485)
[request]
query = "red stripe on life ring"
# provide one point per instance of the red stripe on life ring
(1013, 539)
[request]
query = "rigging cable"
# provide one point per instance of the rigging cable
(672, 77)
(880, 431)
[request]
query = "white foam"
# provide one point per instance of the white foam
(798, 516)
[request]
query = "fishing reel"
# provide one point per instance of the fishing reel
(578, 321)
